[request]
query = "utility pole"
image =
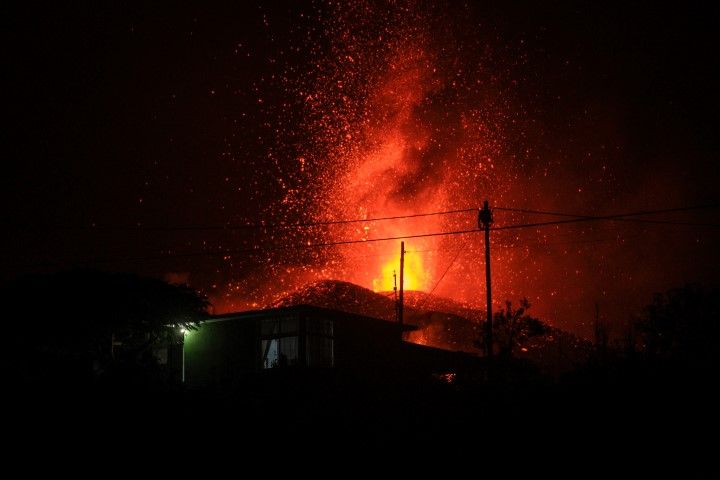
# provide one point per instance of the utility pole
(395, 296)
(484, 220)
(402, 276)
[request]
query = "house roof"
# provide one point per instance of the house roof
(307, 310)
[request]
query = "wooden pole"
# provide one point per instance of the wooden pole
(402, 278)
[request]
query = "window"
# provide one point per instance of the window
(319, 342)
(280, 352)
(291, 341)
(279, 342)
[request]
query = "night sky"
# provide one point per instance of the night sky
(156, 138)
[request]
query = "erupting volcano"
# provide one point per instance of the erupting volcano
(215, 196)
(257, 147)
(402, 110)
(394, 123)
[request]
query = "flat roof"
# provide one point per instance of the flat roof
(307, 309)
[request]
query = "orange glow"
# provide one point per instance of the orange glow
(407, 139)
(420, 337)
(415, 276)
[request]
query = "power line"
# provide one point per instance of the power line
(452, 262)
(639, 220)
(578, 219)
(403, 237)
(250, 226)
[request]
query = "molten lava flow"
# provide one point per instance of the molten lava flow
(415, 277)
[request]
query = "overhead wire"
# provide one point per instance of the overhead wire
(275, 248)
(447, 269)
(140, 228)
(269, 226)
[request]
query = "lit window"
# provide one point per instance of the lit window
(288, 341)
(279, 342)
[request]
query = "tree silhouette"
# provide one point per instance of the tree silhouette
(681, 324)
(513, 328)
(90, 320)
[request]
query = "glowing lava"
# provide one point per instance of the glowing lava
(415, 276)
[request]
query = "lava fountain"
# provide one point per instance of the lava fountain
(417, 133)
(395, 123)
(368, 109)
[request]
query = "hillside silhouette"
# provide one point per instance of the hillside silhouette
(442, 322)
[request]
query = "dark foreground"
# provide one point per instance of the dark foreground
(649, 414)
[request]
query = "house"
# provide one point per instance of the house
(233, 346)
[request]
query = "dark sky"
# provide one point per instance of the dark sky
(130, 120)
